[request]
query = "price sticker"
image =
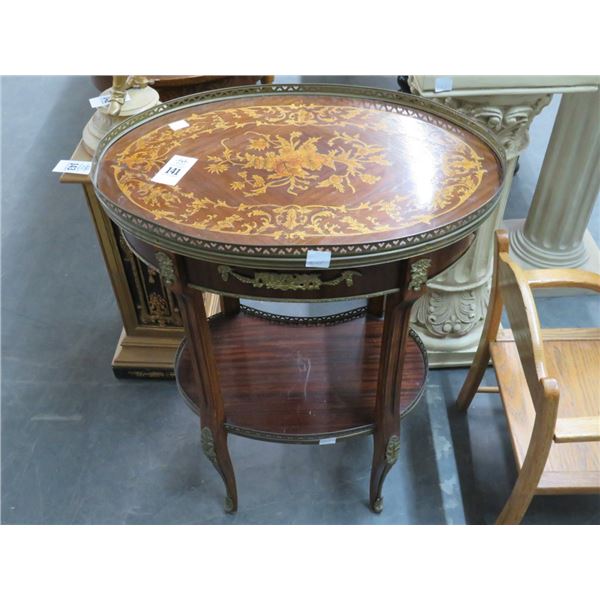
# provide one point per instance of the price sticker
(174, 170)
(101, 101)
(76, 167)
(177, 125)
(319, 259)
(443, 84)
(327, 441)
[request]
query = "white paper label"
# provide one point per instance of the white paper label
(327, 441)
(319, 259)
(77, 167)
(443, 84)
(174, 170)
(100, 101)
(179, 125)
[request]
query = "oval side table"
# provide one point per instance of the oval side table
(387, 188)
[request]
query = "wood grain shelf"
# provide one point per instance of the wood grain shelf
(296, 383)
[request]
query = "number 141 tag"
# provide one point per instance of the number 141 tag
(174, 170)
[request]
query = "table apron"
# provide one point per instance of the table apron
(301, 285)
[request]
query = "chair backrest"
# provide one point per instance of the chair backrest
(512, 288)
(525, 324)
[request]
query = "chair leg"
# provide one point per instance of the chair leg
(490, 330)
(474, 376)
(533, 466)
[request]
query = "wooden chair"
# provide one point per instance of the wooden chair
(556, 442)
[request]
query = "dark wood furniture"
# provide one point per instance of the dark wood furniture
(175, 86)
(152, 327)
(393, 186)
(549, 382)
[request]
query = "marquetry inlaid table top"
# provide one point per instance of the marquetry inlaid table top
(283, 169)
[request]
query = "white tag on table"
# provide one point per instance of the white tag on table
(100, 101)
(175, 126)
(76, 167)
(327, 441)
(319, 259)
(443, 84)
(174, 170)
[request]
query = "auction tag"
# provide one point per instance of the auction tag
(175, 126)
(77, 167)
(174, 170)
(327, 441)
(100, 101)
(318, 258)
(443, 84)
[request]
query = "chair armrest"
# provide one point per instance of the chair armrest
(578, 429)
(548, 278)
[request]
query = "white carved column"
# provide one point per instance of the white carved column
(449, 318)
(553, 232)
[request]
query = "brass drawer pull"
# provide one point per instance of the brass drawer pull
(288, 281)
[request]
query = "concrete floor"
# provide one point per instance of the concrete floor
(79, 446)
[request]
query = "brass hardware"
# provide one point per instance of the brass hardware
(493, 389)
(287, 281)
(228, 504)
(418, 274)
(378, 504)
(392, 450)
(208, 445)
(166, 268)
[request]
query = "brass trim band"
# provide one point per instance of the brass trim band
(294, 256)
(286, 282)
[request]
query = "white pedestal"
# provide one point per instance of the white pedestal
(449, 318)
(554, 234)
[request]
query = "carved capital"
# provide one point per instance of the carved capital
(451, 314)
(510, 122)
(508, 116)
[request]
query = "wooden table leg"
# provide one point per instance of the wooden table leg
(375, 306)
(229, 305)
(212, 413)
(386, 437)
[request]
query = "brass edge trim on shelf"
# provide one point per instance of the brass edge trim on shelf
(369, 253)
(421, 346)
(180, 389)
(323, 321)
(300, 438)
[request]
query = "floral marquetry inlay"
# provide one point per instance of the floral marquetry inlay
(288, 169)
(296, 163)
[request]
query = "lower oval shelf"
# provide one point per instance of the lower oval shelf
(300, 383)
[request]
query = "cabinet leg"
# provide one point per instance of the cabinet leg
(215, 449)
